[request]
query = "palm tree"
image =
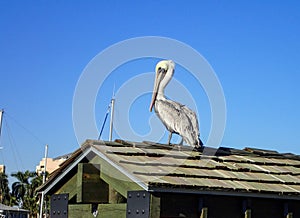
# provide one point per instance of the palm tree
(31, 199)
(4, 189)
(19, 188)
(25, 190)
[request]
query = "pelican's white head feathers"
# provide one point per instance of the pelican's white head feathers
(164, 71)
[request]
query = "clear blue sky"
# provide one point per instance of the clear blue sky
(253, 47)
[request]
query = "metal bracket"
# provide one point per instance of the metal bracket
(138, 204)
(59, 205)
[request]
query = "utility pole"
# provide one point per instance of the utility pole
(44, 180)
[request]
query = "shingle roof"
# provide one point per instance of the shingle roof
(157, 167)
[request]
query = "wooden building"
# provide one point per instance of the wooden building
(129, 179)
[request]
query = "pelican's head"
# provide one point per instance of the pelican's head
(164, 71)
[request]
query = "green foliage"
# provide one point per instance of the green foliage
(5, 197)
(24, 190)
(20, 188)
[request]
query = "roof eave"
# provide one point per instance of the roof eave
(225, 193)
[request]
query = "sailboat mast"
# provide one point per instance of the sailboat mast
(112, 111)
(111, 118)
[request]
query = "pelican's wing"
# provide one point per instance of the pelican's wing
(178, 119)
(191, 115)
(190, 130)
(171, 114)
(193, 118)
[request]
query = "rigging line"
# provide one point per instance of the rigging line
(106, 115)
(107, 112)
(25, 129)
(2, 156)
(13, 146)
(1, 116)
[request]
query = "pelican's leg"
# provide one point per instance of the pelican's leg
(169, 139)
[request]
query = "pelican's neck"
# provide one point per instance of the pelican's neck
(163, 84)
(160, 95)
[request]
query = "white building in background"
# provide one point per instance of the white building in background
(2, 168)
(52, 164)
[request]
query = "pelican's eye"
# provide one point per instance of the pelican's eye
(161, 70)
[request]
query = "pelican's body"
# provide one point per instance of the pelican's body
(176, 117)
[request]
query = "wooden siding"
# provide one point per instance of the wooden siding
(104, 211)
(90, 187)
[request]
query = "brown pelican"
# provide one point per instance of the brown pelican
(176, 117)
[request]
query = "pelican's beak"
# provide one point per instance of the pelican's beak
(158, 78)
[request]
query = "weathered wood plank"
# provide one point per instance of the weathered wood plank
(104, 211)
(121, 185)
(248, 213)
(115, 197)
(204, 212)
(115, 178)
(90, 188)
(154, 206)
(69, 187)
